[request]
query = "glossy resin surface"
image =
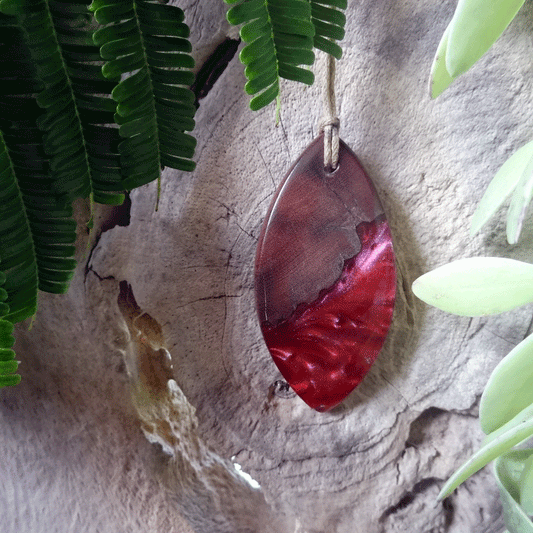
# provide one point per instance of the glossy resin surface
(325, 278)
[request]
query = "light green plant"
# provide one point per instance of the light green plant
(488, 285)
(474, 28)
(506, 408)
(483, 286)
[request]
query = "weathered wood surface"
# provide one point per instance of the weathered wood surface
(73, 455)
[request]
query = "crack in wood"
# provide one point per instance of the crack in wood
(208, 298)
(410, 496)
(213, 68)
(107, 218)
(89, 268)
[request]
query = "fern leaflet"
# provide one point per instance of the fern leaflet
(155, 105)
(8, 364)
(36, 225)
(56, 33)
(280, 35)
(328, 20)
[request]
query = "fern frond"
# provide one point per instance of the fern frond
(328, 20)
(37, 230)
(61, 131)
(19, 262)
(148, 42)
(280, 36)
(68, 65)
(36, 225)
(8, 364)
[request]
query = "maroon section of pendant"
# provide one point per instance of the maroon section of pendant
(325, 278)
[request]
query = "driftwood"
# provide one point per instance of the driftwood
(74, 457)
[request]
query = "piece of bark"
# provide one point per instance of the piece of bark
(75, 458)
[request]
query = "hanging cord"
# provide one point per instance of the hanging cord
(329, 123)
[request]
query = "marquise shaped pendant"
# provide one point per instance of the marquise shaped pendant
(325, 278)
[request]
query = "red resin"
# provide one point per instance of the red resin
(324, 277)
(324, 349)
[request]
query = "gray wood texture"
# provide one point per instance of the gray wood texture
(74, 457)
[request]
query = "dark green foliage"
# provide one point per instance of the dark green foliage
(69, 129)
(8, 365)
(141, 40)
(19, 262)
(78, 125)
(329, 21)
(36, 226)
(281, 36)
(36, 232)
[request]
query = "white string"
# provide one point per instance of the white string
(329, 123)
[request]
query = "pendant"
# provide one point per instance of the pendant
(325, 279)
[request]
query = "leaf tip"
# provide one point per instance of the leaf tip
(415, 286)
(439, 81)
(445, 492)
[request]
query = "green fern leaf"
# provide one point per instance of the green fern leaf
(148, 42)
(36, 226)
(61, 130)
(58, 36)
(19, 262)
(280, 36)
(328, 20)
(8, 365)
(37, 231)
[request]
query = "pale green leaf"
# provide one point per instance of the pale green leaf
(501, 186)
(519, 202)
(508, 469)
(477, 286)
(512, 379)
(526, 486)
(486, 454)
(440, 79)
(475, 26)
(523, 416)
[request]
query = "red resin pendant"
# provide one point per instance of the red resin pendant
(325, 280)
